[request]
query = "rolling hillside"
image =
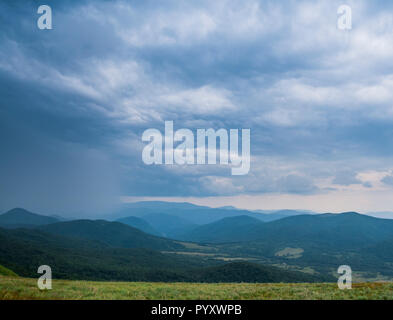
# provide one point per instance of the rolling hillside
(23, 250)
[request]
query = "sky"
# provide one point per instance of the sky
(76, 99)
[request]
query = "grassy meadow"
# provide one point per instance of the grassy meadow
(12, 288)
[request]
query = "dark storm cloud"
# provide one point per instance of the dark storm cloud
(76, 99)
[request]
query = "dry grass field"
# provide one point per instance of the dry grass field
(12, 288)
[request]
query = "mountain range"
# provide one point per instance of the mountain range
(346, 229)
(196, 214)
(169, 243)
(173, 219)
(103, 250)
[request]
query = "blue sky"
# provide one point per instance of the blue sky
(76, 99)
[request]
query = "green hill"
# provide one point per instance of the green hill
(346, 230)
(17, 218)
(114, 234)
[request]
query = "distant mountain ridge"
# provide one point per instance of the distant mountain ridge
(140, 224)
(191, 214)
(223, 230)
(279, 214)
(167, 225)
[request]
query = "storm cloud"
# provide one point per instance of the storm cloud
(76, 99)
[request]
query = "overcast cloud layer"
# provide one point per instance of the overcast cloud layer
(76, 99)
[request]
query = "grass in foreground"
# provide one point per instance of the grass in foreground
(22, 288)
